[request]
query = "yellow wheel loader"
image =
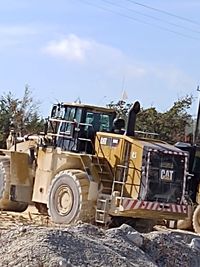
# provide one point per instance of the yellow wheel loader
(87, 166)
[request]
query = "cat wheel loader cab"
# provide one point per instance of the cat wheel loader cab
(88, 167)
(73, 127)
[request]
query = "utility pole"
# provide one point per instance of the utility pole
(196, 135)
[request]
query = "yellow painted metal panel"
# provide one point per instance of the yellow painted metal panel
(20, 170)
(50, 162)
(125, 156)
(134, 174)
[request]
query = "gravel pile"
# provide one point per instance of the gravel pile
(88, 245)
(173, 248)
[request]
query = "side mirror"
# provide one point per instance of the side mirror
(54, 112)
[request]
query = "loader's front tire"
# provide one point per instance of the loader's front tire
(68, 198)
(196, 219)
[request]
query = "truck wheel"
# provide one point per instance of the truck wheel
(196, 220)
(5, 203)
(68, 198)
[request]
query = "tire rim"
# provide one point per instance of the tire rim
(64, 200)
(198, 218)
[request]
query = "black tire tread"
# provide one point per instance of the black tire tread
(86, 210)
(195, 220)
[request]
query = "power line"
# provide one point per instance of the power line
(164, 12)
(138, 20)
(151, 17)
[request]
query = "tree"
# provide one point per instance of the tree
(121, 108)
(173, 122)
(147, 120)
(170, 125)
(21, 114)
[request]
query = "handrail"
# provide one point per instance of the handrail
(123, 182)
(78, 125)
(146, 134)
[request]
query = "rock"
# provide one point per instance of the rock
(127, 232)
(65, 263)
(136, 238)
(22, 229)
(113, 232)
(195, 243)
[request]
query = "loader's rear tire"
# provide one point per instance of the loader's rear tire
(5, 203)
(184, 224)
(196, 219)
(187, 224)
(68, 198)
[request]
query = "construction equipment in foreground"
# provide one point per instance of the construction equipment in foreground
(86, 166)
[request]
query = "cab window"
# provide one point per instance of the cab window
(100, 122)
(72, 114)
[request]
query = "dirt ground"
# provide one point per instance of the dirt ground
(29, 217)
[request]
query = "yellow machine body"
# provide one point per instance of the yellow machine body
(74, 173)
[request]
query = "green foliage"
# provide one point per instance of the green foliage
(147, 120)
(20, 114)
(121, 108)
(173, 122)
(170, 125)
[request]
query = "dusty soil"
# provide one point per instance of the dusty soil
(28, 217)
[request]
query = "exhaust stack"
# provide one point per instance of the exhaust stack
(130, 130)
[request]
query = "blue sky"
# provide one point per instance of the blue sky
(89, 49)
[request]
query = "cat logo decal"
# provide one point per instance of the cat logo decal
(166, 174)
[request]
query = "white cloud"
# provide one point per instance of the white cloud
(94, 55)
(71, 48)
(113, 62)
(74, 48)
